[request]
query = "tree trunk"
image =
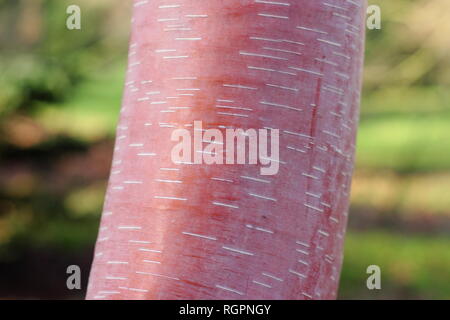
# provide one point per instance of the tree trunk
(174, 230)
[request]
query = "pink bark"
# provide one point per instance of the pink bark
(180, 231)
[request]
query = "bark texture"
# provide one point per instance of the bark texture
(183, 231)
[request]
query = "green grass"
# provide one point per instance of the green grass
(412, 266)
(405, 142)
(405, 100)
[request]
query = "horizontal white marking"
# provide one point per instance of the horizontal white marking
(198, 235)
(188, 39)
(151, 261)
(139, 241)
(229, 289)
(261, 55)
(150, 250)
(255, 179)
(262, 197)
(262, 284)
(311, 29)
(272, 276)
(129, 228)
(279, 105)
(146, 154)
(258, 228)
(169, 6)
(168, 181)
(238, 251)
(221, 204)
(170, 198)
(297, 274)
(267, 15)
(273, 2)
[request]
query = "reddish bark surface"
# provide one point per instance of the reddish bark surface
(181, 231)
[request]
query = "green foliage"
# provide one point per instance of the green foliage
(43, 60)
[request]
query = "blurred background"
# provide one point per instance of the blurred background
(60, 93)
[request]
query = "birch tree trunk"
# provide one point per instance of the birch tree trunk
(195, 231)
